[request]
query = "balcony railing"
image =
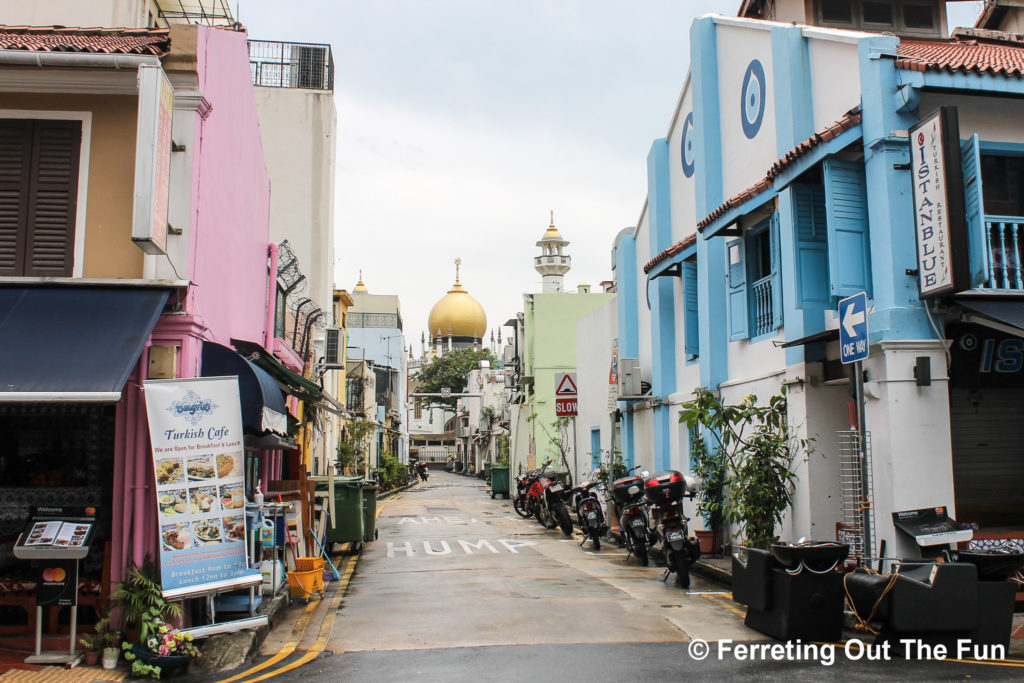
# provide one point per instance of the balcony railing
(1004, 239)
(761, 307)
(291, 65)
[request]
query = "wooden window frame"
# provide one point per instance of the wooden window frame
(85, 118)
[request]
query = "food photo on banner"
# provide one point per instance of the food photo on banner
(195, 430)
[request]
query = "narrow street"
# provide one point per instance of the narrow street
(458, 587)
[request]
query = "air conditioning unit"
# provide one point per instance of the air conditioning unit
(629, 378)
(333, 347)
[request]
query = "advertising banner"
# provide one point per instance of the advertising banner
(195, 428)
(939, 217)
(152, 160)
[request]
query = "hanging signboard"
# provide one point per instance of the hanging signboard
(940, 221)
(152, 160)
(195, 428)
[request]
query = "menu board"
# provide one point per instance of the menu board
(196, 434)
(58, 534)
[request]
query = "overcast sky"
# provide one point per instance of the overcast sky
(462, 123)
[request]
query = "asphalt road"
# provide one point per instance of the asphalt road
(458, 587)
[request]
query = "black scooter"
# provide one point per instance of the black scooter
(590, 512)
(664, 492)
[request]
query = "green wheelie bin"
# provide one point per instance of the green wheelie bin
(499, 480)
(369, 511)
(348, 512)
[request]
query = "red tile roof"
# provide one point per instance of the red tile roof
(129, 41)
(851, 119)
(1004, 58)
(679, 246)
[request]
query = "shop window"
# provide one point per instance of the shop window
(1002, 182)
(918, 16)
(994, 203)
(901, 16)
(691, 319)
(878, 13)
(837, 11)
(38, 196)
(755, 285)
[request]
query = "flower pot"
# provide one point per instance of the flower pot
(92, 657)
(710, 541)
(170, 665)
(110, 657)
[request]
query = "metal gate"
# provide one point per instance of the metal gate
(857, 492)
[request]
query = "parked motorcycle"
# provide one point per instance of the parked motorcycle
(521, 501)
(423, 471)
(628, 494)
(590, 511)
(664, 492)
(544, 499)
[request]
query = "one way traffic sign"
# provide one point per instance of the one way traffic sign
(853, 328)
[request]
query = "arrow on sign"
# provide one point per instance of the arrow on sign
(850, 319)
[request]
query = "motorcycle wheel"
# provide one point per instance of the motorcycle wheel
(681, 566)
(564, 521)
(640, 550)
(519, 505)
(597, 541)
(549, 521)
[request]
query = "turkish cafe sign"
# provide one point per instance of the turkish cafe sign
(940, 222)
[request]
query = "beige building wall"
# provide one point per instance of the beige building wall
(109, 250)
(299, 129)
(83, 13)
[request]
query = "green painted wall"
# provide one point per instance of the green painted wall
(550, 341)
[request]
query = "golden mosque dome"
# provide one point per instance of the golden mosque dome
(458, 313)
(360, 287)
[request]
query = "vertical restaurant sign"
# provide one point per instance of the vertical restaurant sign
(939, 218)
(195, 428)
(152, 160)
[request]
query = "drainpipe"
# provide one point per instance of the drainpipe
(76, 59)
(268, 337)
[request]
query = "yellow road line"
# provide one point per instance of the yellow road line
(286, 649)
(722, 601)
(297, 633)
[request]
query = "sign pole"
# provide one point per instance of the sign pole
(862, 433)
(575, 461)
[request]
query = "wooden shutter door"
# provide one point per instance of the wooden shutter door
(53, 198)
(15, 167)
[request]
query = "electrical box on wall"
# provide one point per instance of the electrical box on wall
(629, 377)
(163, 362)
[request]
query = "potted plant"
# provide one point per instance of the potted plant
(111, 643)
(166, 652)
(93, 643)
(710, 467)
(146, 617)
(753, 451)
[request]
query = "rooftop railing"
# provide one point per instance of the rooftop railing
(291, 65)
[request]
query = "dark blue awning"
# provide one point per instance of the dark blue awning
(263, 406)
(73, 344)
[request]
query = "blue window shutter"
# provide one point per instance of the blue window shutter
(776, 272)
(811, 244)
(846, 204)
(690, 321)
(738, 315)
(975, 207)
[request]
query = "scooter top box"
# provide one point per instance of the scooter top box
(665, 486)
(620, 489)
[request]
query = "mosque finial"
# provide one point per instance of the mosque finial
(458, 262)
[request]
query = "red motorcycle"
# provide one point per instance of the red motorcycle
(539, 494)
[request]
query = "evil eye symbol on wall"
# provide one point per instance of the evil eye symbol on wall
(752, 106)
(687, 146)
